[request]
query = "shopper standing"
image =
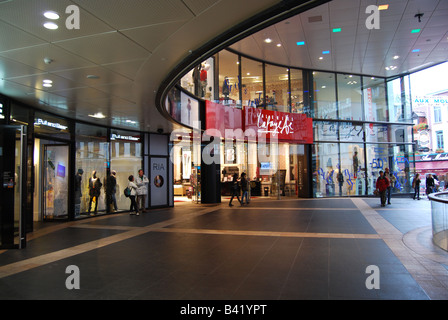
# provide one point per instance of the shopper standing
(416, 186)
(111, 188)
(244, 188)
(388, 175)
(381, 185)
(142, 190)
(133, 187)
(234, 189)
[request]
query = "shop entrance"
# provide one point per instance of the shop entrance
(12, 233)
(52, 180)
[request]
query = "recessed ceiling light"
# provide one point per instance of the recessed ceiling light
(416, 50)
(47, 81)
(51, 25)
(92, 76)
(47, 85)
(415, 30)
(268, 40)
(383, 7)
(248, 73)
(301, 43)
(279, 45)
(326, 52)
(337, 30)
(396, 57)
(51, 15)
(321, 58)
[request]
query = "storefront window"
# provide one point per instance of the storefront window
(252, 83)
(325, 106)
(352, 169)
(92, 155)
(277, 88)
(396, 158)
(325, 162)
(398, 94)
(297, 103)
(325, 130)
(229, 80)
(199, 81)
(349, 97)
(126, 160)
(375, 107)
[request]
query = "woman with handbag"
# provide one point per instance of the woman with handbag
(133, 187)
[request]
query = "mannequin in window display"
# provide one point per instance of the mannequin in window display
(226, 88)
(196, 79)
(94, 191)
(78, 191)
(203, 78)
(355, 164)
(111, 189)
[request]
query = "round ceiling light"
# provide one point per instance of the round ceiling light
(51, 25)
(51, 15)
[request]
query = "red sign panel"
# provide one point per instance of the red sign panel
(283, 126)
(220, 117)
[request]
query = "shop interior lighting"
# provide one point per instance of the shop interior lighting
(97, 115)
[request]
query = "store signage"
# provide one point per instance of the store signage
(55, 125)
(120, 137)
(430, 100)
(283, 126)
(434, 157)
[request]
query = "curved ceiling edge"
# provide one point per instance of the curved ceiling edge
(254, 24)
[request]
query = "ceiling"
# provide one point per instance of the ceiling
(357, 49)
(129, 46)
(115, 62)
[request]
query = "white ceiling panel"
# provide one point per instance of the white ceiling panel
(105, 48)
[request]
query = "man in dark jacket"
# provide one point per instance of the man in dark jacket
(234, 189)
(244, 188)
(382, 183)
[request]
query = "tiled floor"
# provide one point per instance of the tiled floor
(269, 250)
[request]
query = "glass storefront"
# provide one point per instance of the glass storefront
(361, 125)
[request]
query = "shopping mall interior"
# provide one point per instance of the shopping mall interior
(310, 101)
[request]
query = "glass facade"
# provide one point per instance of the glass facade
(361, 124)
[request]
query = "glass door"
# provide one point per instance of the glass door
(12, 234)
(55, 182)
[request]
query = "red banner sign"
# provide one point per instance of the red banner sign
(283, 126)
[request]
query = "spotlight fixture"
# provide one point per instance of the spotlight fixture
(419, 16)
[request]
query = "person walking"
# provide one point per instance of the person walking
(416, 186)
(142, 190)
(381, 186)
(133, 187)
(244, 188)
(341, 182)
(234, 189)
(430, 184)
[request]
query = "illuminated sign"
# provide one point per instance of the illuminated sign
(120, 137)
(50, 124)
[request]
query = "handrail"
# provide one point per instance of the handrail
(439, 215)
(435, 197)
